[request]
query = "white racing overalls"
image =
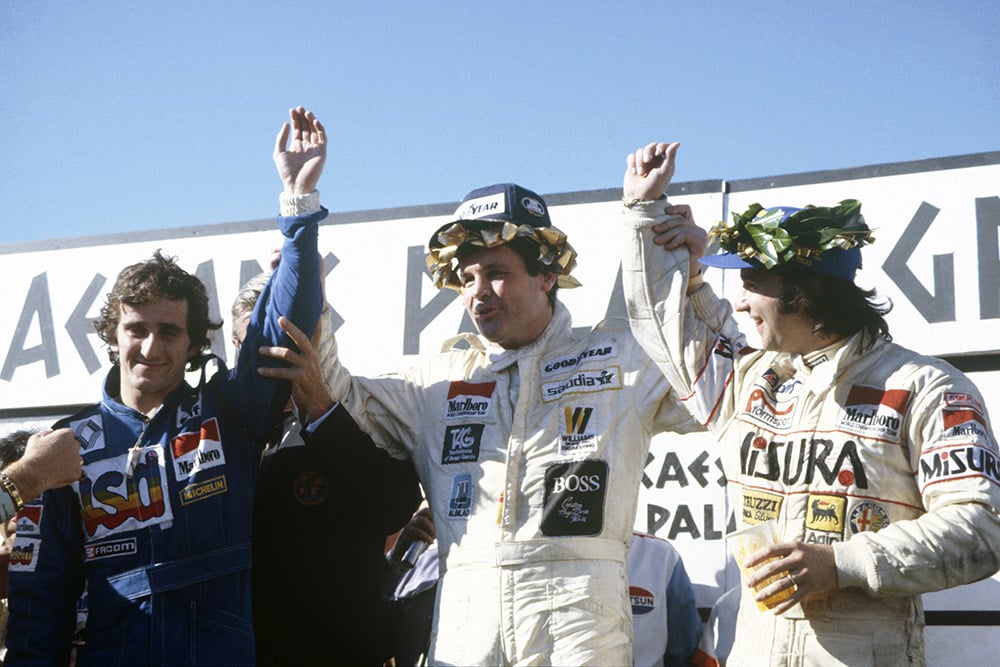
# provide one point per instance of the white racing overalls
(531, 460)
(884, 454)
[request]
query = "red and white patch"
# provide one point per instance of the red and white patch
(467, 399)
(198, 450)
(874, 412)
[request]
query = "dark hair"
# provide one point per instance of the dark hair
(12, 446)
(837, 308)
(158, 278)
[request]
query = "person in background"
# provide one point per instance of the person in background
(50, 459)
(158, 529)
(877, 464)
(12, 448)
(665, 621)
(326, 500)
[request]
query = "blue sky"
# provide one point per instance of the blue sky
(118, 116)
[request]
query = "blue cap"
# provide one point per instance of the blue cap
(835, 262)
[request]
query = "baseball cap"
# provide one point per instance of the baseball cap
(494, 215)
(819, 239)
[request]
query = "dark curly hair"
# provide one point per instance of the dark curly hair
(837, 308)
(158, 278)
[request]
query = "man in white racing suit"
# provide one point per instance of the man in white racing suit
(878, 465)
(529, 440)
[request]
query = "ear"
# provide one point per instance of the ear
(549, 280)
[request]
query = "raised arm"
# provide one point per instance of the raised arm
(294, 289)
(682, 326)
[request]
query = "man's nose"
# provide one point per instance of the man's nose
(740, 304)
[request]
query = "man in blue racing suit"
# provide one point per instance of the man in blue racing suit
(157, 530)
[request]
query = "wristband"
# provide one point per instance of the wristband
(294, 205)
(696, 279)
(11, 490)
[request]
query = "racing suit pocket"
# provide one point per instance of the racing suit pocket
(219, 637)
(835, 649)
(587, 613)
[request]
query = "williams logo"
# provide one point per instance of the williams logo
(579, 431)
(461, 443)
(874, 412)
(466, 400)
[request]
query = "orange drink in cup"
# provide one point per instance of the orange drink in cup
(744, 542)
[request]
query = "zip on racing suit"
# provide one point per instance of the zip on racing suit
(164, 552)
(531, 460)
(884, 454)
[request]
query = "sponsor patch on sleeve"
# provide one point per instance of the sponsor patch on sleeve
(468, 400)
(24, 554)
(29, 520)
(574, 498)
(198, 450)
(945, 464)
(461, 443)
(643, 601)
(460, 502)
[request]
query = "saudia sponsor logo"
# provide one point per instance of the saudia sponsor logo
(802, 461)
(957, 462)
(583, 382)
(573, 361)
(874, 411)
(467, 399)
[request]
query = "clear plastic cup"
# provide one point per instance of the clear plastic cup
(744, 542)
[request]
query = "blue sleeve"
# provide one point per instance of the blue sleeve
(293, 291)
(683, 622)
(46, 580)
